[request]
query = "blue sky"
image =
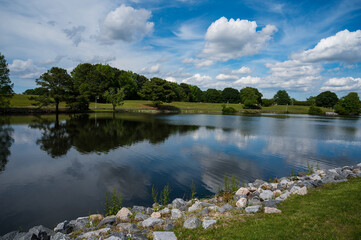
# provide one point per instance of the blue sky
(304, 47)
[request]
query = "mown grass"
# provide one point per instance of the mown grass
(329, 212)
(22, 101)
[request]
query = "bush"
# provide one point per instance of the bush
(267, 102)
(113, 203)
(313, 110)
(226, 109)
(250, 104)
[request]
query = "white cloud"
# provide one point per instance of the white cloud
(234, 39)
(188, 32)
(342, 84)
(248, 80)
(242, 70)
(171, 79)
(197, 79)
(344, 46)
(150, 70)
(25, 69)
(127, 24)
(199, 62)
(226, 77)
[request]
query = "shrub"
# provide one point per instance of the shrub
(226, 109)
(313, 110)
(113, 202)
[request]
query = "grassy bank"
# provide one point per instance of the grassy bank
(22, 101)
(329, 212)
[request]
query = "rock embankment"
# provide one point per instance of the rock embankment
(143, 223)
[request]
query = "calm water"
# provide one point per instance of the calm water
(55, 170)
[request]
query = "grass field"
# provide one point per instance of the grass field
(329, 212)
(22, 101)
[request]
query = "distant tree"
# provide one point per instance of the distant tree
(212, 95)
(311, 100)
(282, 97)
(230, 95)
(140, 80)
(348, 105)
(197, 94)
(56, 81)
(6, 87)
(36, 91)
(251, 94)
(267, 102)
(158, 91)
(187, 93)
(115, 97)
(326, 99)
(128, 84)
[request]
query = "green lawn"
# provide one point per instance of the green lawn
(330, 212)
(22, 101)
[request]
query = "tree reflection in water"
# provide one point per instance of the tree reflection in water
(6, 141)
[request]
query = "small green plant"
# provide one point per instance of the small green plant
(234, 183)
(226, 183)
(113, 202)
(270, 180)
(193, 190)
(155, 194)
(226, 109)
(164, 195)
(310, 168)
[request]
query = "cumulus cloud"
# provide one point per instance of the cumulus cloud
(344, 46)
(234, 39)
(342, 84)
(242, 70)
(75, 34)
(248, 80)
(171, 79)
(150, 70)
(199, 62)
(25, 69)
(226, 77)
(127, 24)
(198, 79)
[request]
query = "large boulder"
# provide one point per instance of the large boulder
(196, 206)
(164, 236)
(178, 203)
(63, 227)
(241, 203)
(253, 209)
(78, 224)
(137, 209)
(124, 214)
(242, 191)
(266, 195)
(302, 191)
(208, 223)
(192, 223)
(110, 220)
(151, 222)
(129, 227)
(176, 214)
(60, 236)
(156, 215)
(224, 208)
(140, 216)
(96, 217)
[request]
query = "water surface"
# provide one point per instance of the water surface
(56, 169)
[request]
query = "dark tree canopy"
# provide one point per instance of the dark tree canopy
(251, 94)
(349, 105)
(212, 95)
(326, 99)
(36, 91)
(282, 97)
(157, 90)
(230, 95)
(197, 94)
(6, 87)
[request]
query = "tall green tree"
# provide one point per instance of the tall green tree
(282, 97)
(326, 99)
(128, 84)
(115, 97)
(187, 93)
(349, 105)
(230, 95)
(212, 95)
(6, 87)
(158, 91)
(251, 94)
(56, 81)
(197, 94)
(35, 91)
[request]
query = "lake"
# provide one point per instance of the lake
(53, 170)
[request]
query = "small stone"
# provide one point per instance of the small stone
(284, 196)
(294, 189)
(224, 208)
(302, 191)
(164, 236)
(254, 201)
(208, 223)
(253, 209)
(241, 203)
(192, 223)
(271, 210)
(277, 193)
(164, 211)
(151, 222)
(41, 232)
(149, 210)
(196, 206)
(62, 227)
(204, 212)
(117, 238)
(266, 195)
(96, 217)
(137, 209)
(242, 191)
(140, 216)
(127, 227)
(176, 214)
(156, 215)
(258, 183)
(169, 226)
(271, 203)
(108, 220)
(95, 233)
(124, 214)
(213, 208)
(178, 202)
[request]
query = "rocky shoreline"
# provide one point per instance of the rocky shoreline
(142, 223)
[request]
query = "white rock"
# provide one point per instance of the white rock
(359, 165)
(266, 195)
(156, 215)
(302, 191)
(315, 177)
(196, 206)
(95, 233)
(150, 222)
(124, 214)
(242, 191)
(164, 211)
(192, 223)
(208, 223)
(164, 236)
(271, 210)
(277, 192)
(253, 209)
(241, 203)
(176, 214)
(294, 189)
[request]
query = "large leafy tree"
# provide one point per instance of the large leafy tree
(326, 99)
(282, 97)
(197, 94)
(6, 87)
(158, 91)
(212, 95)
(230, 95)
(251, 95)
(349, 105)
(56, 81)
(128, 84)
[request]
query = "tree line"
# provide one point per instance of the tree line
(102, 83)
